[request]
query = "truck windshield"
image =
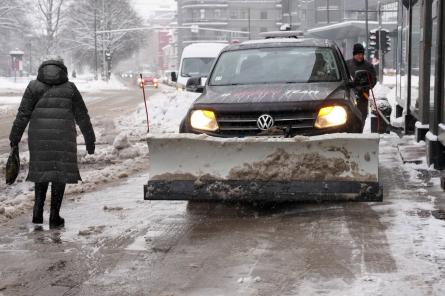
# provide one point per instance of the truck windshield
(276, 65)
(196, 67)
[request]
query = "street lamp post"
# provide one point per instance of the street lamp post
(327, 11)
(30, 57)
(249, 22)
(95, 40)
(367, 29)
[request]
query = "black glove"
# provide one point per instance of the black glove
(91, 148)
(13, 145)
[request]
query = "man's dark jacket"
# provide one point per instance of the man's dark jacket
(52, 105)
(354, 66)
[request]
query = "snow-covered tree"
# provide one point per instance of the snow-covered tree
(51, 14)
(10, 12)
(78, 33)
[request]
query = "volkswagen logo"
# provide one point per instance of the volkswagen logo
(265, 122)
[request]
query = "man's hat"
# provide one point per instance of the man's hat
(358, 48)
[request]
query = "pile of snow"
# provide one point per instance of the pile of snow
(91, 85)
(85, 83)
(167, 109)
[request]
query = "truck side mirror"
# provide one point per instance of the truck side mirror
(174, 77)
(362, 78)
(194, 85)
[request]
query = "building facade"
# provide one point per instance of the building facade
(421, 74)
(225, 20)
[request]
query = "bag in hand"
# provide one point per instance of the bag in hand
(12, 166)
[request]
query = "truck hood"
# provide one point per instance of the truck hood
(270, 93)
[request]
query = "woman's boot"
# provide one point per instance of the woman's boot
(57, 191)
(40, 196)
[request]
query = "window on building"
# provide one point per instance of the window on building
(217, 13)
(244, 14)
(263, 29)
(195, 14)
(202, 14)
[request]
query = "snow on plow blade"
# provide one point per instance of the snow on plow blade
(320, 168)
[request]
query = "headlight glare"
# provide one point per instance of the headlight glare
(331, 116)
(204, 120)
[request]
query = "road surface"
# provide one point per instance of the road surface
(114, 243)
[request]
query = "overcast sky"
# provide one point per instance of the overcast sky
(145, 6)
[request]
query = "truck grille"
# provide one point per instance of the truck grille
(245, 124)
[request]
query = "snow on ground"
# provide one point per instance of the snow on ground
(9, 84)
(10, 100)
(11, 92)
(8, 105)
(88, 84)
(85, 83)
(167, 109)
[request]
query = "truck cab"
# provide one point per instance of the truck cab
(277, 85)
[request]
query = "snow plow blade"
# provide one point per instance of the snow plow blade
(333, 167)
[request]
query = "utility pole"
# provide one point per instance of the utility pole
(30, 57)
(290, 13)
(104, 70)
(327, 11)
(366, 29)
(95, 40)
(248, 20)
(381, 53)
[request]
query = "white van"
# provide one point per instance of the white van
(196, 61)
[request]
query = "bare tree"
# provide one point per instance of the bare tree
(78, 35)
(51, 12)
(10, 15)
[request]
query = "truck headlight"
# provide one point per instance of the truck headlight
(331, 116)
(204, 120)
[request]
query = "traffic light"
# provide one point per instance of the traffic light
(108, 56)
(386, 42)
(379, 39)
(374, 42)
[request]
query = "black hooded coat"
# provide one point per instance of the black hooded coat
(52, 105)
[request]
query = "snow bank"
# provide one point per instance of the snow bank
(167, 109)
(85, 83)
(88, 84)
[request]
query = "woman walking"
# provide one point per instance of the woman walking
(52, 105)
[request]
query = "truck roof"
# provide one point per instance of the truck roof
(281, 42)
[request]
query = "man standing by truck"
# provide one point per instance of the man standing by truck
(355, 64)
